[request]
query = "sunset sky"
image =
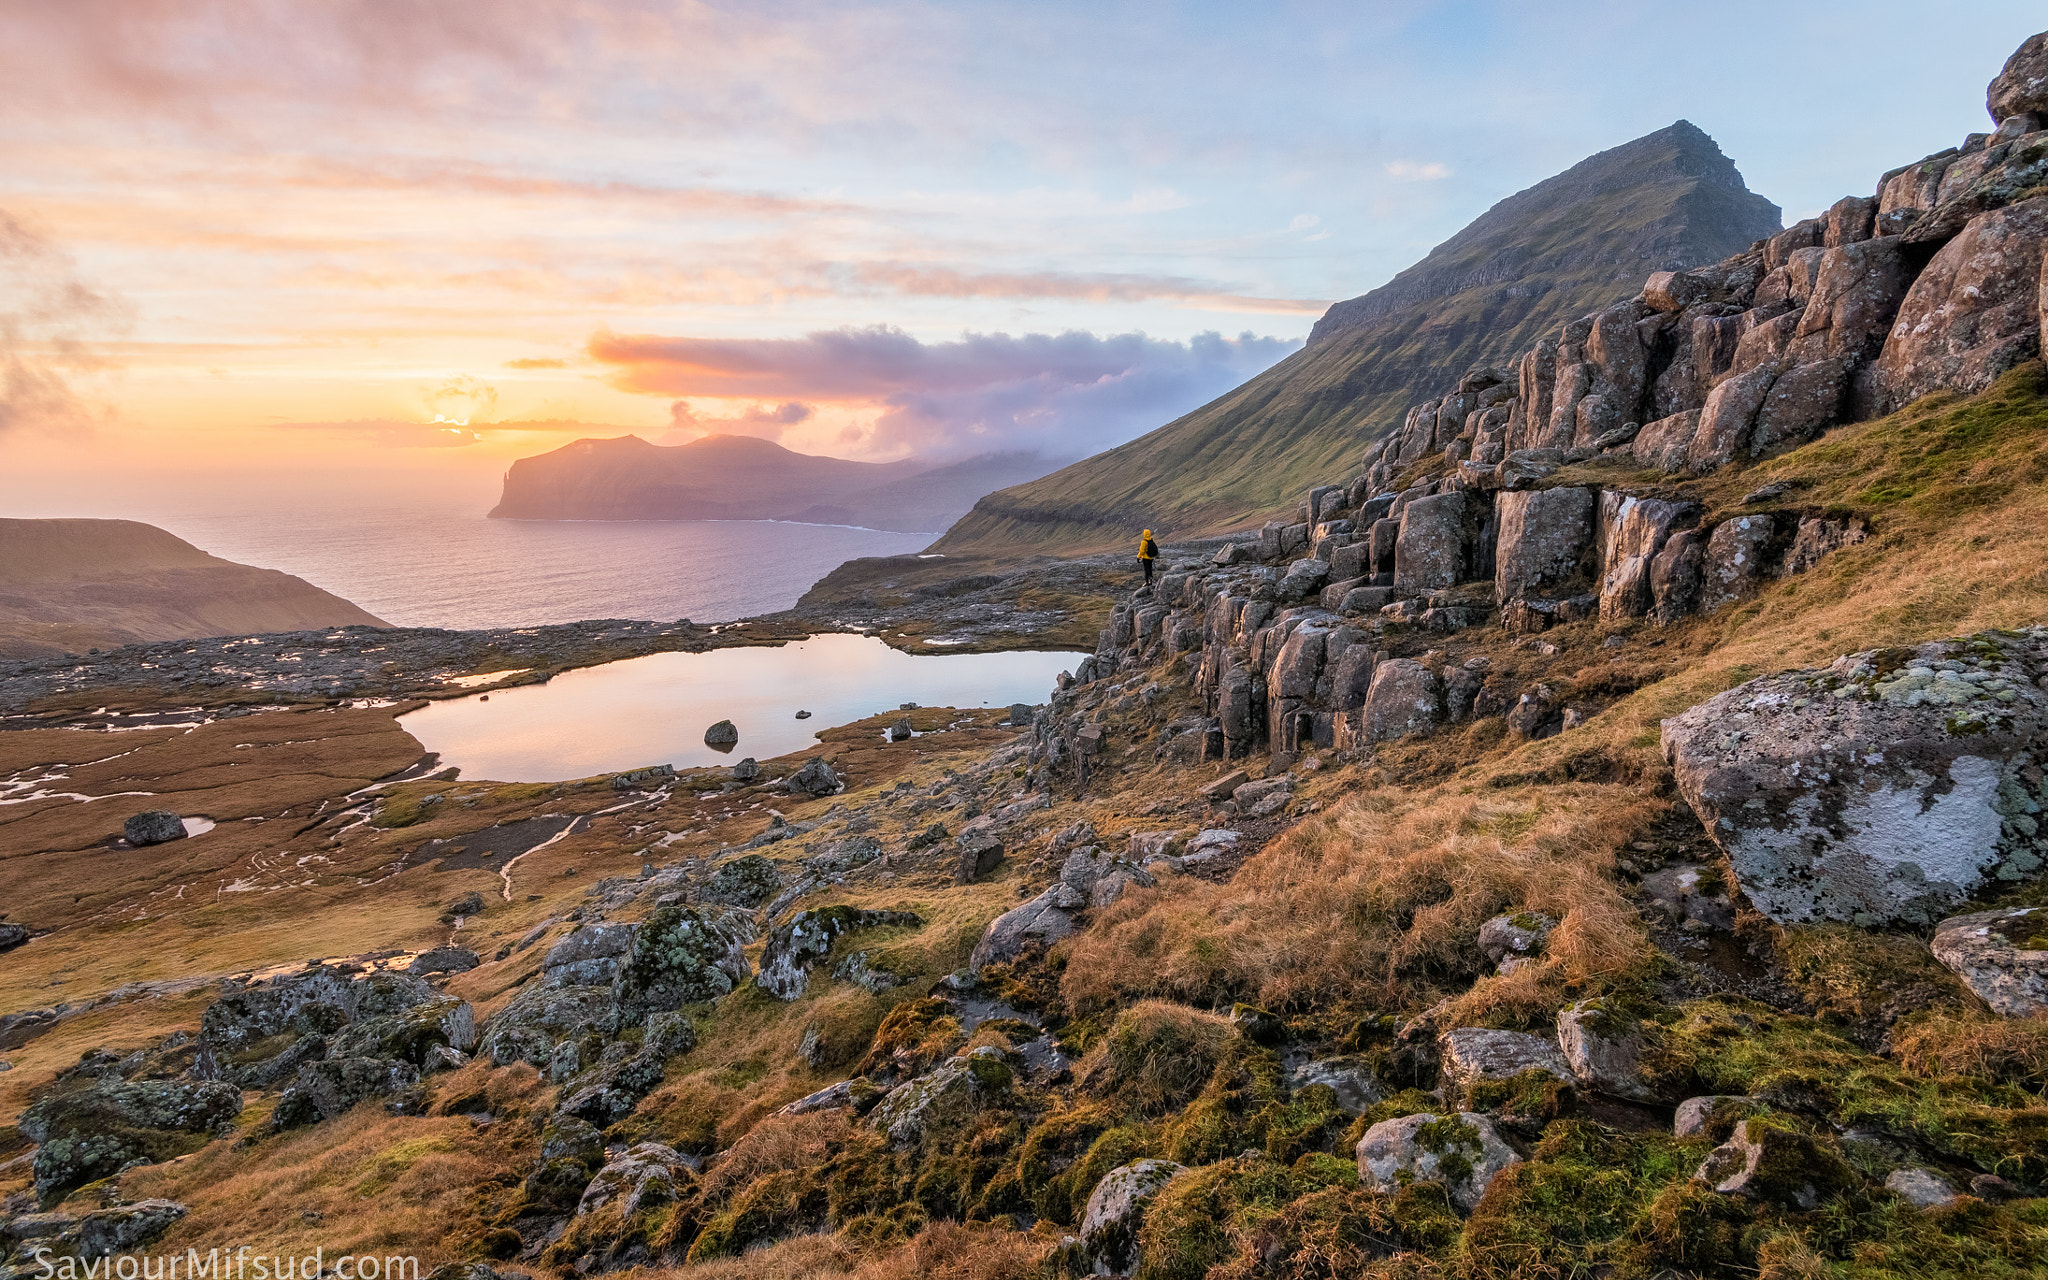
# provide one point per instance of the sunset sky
(244, 237)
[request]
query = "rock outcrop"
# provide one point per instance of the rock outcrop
(1462, 1151)
(1881, 789)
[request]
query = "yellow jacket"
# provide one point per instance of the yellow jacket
(1147, 549)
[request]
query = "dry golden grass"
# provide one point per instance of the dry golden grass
(1156, 1056)
(942, 1251)
(1377, 905)
(2009, 1050)
(776, 1144)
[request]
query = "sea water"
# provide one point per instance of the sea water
(654, 710)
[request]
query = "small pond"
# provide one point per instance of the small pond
(654, 710)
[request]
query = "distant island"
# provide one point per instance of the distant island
(725, 477)
(73, 585)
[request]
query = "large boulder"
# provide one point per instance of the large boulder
(1608, 1049)
(2001, 955)
(644, 1176)
(723, 736)
(118, 1229)
(1116, 1209)
(1633, 531)
(609, 1094)
(746, 881)
(543, 1016)
(323, 1090)
(1461, 1151)
(411, 1034)
(1974, 312)
(1354, 1085)
(12, 936)
(1881, 789)
(1471, 1055)
(2022, 87)
(797, 945)
(815, 778)
(1544, 535)
(1405, 698)
(153, 826)
(1766, 1160)
(1429, 551)
(939, 1105)
(1088, 878)
(92, 1129)
(681, 956)
(589, 956)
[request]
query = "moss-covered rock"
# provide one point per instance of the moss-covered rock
(680, 956)
(799, 943)
(92, 1128)
(746, 881)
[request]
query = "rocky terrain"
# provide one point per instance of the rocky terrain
(68, 586)
(1581, 841)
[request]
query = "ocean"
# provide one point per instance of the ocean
(421, 564)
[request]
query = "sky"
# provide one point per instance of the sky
(254, 240)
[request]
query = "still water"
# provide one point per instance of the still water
(654, 710)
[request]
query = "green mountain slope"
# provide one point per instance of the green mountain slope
(1562, 248)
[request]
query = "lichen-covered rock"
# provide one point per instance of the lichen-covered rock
(799, 943)
(588, 956)
(1044, 920)
(1974, 312)
(1429, 552)
(1692, 895)
(1921, 1188)
(118, 1229)
(2022, 86)
(680, 956)
(609, 1095)
(1880, 789)
(93, 1129)
(1544, 536)
(1473, 1054)
(858, 1095)
(1710, 1115)
(1116, 1209)
(1521, 934)
(1460, 1151)
(1609, 1050)
(541, 1017)
(746, 881)
(2001, 955)
(411, 1034)
(1405, 698)
(326, 1089)
(1352, 1080)
(937, 1105)
(1766, 1160)
(647, 1175)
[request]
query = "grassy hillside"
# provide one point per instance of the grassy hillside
(72, 585)
(1564, 247)
(1356, 914)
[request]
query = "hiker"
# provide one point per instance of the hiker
(1148, 551)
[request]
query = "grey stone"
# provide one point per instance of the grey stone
(680, 956)
(1520, 934)
(747, 769)
(816, 777)
(939, 1105)
(331, 1087)
(1472, 1054)
(1405, 698)
(746, 881)
(153, 826)
(723, 736)
(797, 945)
(589, 956)
(1766, 1162)
(1352, 1080)
(1881, 789)
(12, 936)
(543, 1016)
(1429, 553)
(1695, 1117)
(444, 960)
(645, 1176)
(1604, 1047)
(1462, 1151)
(119, 1229)
(1691, 893)
(2001, 955)
(1543, 539)
(1921, 1188)
(1115, 1212)
(1734, 560)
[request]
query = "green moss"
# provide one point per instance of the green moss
(1532, 1095)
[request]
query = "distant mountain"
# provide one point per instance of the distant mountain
(1566, 246)
(744, 478)
(73, 585)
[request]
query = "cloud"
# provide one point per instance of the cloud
(768, 424)
(50, 325)
(1416, 170)
(392, 433)
(461, 400)
(1061, 395)
(536, 362)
